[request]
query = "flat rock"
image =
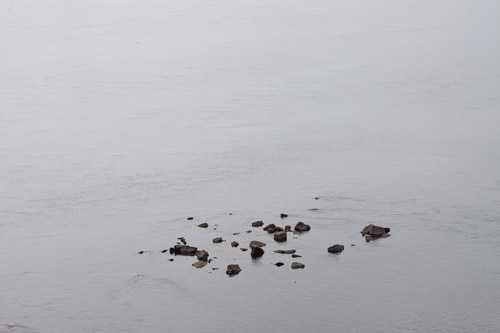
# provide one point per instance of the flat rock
(283, 215)
(217, 240)
(301, 226)
(203, 225)
(257, 252)
(279, 264)
(234, 244)
(296, 256)
(243, 249)
(280, 236)
(199, 264)
(269, 226)
(235, 233)
(296, 265)
(285, 251)
(233, 269)
(337, 248)
(375, 231)
(255, 243)
(183, 250)
(257, 224)
(249, 231)
(163, 251)
(190, 218)
(170, 259)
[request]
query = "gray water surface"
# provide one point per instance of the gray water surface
(119, 119)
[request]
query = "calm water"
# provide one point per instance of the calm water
(118, 119)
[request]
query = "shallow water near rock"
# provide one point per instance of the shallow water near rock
(121, 119)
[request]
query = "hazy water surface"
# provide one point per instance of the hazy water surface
(118, 119)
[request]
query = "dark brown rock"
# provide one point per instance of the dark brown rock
(280, 236)
(271, 230)
(257, 252)
(279, 264)
(283, 215)
(233, 269)
(337, 248)
(257, 224)
(235, 233)
(183, 250)
(163, 251)
(203, 225)
(301, 226)
(202, 255)
(183, 241)
(285, 251)
(374, 232)
(249, 231)
(255, 243)
(217, 240)
(190, 218)
(171, 259)
(141, 252)
(234, 244)
(296, 265)
(243, 249)
(269, 226)
(296, 256)
(288, 228)
(199, 264)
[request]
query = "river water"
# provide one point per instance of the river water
(119, 119)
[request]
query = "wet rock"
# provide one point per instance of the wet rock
(269, 226)
(283, 215)
(249, 231)
(337, 248)
(257, 252)
(171, 259)
(217, 240)
(234, 244)
(374, 232)
(202, 255)
(209, 261)
(271, 230)
(203, 225)
(278, 229)
(183, 250)
(353, 244)
(257, 224)
(190, 218)
(182, 239)
(255, 243)
(285, 251)
(199, 264)
(235, 233)
(141, 252)
(233, 269)
(163, 251)
(280, 236)
(296, 265)
(279, 264)
(301, 226)
(317, 198)
(243, 249)
(313, 209)
(215, 268)
(288, 228)
(296, 256)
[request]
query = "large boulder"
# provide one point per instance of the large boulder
(280, 236)
(257, 252)
(301, 226)
(233, 269)
(296, 265)
(337, 248)
(257, 224)
(255, 243)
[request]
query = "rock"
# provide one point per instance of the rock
(170, 259)
(233, 269)
(217, 240)
(256, 244)
(288, 228)
(301, 226)
(199, 264)
(278, 229)
(296, 256)
(374, 232)
(296, 265)
(271, 230)
(234, 244)
(215, 268)
(202, 255)
(190, 218)
(163, 251)
(313, 209)
(243, 249)
(257, 252)
(235, 233)
(285, 251)
(317, 198)
(353, 244)
(209, 261)
(283, 215)
(280, 236)
(183, 250)
(269, 226)
(141, 252)
(337, 248)
(257, 224)
(182, 239)
(249, 231)
(279, 264)
(203, 225)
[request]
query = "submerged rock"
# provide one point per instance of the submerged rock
(280, 236)
(296, 265)
(217, 240)
(301, 226)
(255, 243)
(233, 269)
(203, 225)
(337, 248)
(257, 224)
(257, 252)
(234, 244)
(285, 251)
(199, 264)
